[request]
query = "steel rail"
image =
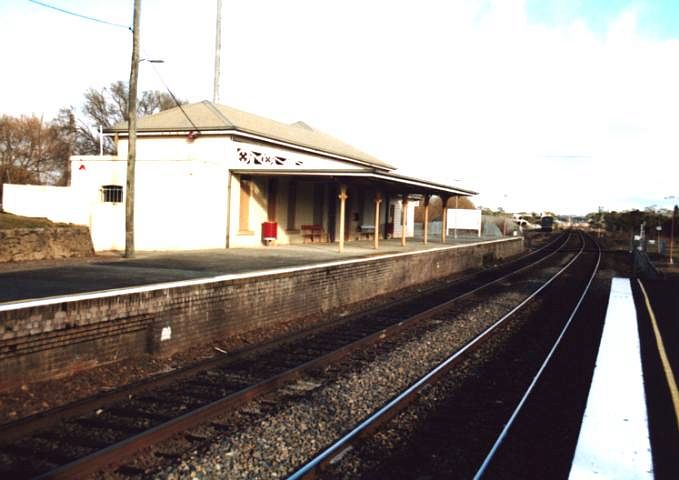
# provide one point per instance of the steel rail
(392, 407)
(505, 430)
(25, 426)
(119, 452)
(113, 454)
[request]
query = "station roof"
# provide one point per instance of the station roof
(389, 180)
(206, 116)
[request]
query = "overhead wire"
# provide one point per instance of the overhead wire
(174, 98)
(79, 15)
(126, 27)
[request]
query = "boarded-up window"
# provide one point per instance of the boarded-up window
(245, 192)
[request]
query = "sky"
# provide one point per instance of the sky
(539, 105)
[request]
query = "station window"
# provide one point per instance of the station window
(112, 193)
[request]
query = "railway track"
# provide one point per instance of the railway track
(439, 443)
(107, 430)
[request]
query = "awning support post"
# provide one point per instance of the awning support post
(378, 200)
(444, 218)
(457, 197)
(342, 198)
(426, 218)
(404, 218)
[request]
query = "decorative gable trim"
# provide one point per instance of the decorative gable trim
(255, 158)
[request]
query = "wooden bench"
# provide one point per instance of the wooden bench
(367, 230)
(312, 232)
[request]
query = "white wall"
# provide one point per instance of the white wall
(80, 203)
(180, 193)
(107, 226)
(90, 172)
(166, 147)
(410, 218)
(58, 204)
(179, 205)
(463, 219)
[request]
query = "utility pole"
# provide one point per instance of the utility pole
(132, 134)
(674, 214)
(218, 53)
(457, 206)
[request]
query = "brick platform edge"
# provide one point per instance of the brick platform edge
(53, 337)
(18, 244)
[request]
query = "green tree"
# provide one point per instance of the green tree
(630, 220)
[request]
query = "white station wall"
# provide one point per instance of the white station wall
(463, 219)
(181, 193)
(410, 218)
(179, 205)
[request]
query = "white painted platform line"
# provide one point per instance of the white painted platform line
(613, 441)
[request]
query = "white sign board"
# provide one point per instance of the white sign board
(464, 219)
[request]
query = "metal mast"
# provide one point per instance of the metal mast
(218, 52)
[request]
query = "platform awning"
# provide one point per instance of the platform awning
(386, 180)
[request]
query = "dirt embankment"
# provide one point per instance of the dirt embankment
(23, 238)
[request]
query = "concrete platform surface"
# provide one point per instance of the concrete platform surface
(614, 436)
(160, 267)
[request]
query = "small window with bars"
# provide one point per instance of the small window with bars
(112, 193)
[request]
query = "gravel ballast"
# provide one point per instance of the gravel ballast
(291, 427)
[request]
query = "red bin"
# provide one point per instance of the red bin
(269, 230)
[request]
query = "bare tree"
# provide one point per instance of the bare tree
(34, 151)
(108, 107)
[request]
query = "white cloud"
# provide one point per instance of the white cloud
(534, 117)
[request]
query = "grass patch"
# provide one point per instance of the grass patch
(8, 220)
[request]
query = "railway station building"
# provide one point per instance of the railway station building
(209, 176)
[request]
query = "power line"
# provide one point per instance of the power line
(126, 27)
(98, 20)
(174, 98)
